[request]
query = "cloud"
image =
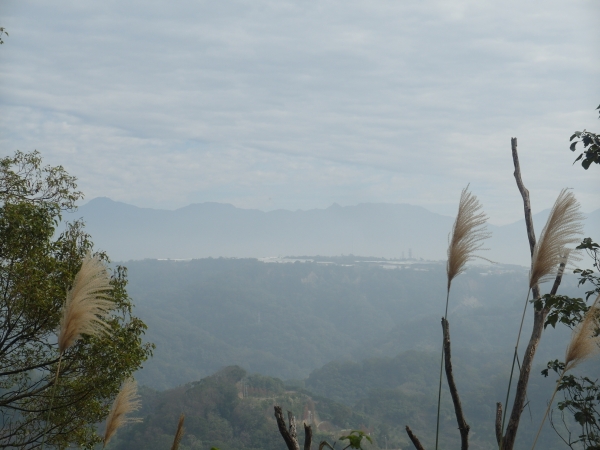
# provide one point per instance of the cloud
(295, 104)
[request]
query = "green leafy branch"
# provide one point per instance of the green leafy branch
(354, 438)
(562, 309)
(591, 145)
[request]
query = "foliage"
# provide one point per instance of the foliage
(591, 146)
(2, 31)
(36, 270)
(23, 179)
(561, 308)
(587, 275)
(355, 439)
(581, 400)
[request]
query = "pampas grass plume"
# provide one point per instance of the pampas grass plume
(179, 433)
(562, 228)
(467, 233)
(126, 401)
(87, 304)
(584, 342)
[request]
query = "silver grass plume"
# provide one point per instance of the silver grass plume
(562, 228)
(467, 234)
(584, 341)
(126, 401)
(87, 303)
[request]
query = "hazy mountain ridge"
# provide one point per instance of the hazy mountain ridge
(202, 230)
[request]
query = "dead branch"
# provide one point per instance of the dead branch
(539, 317)
(499, 422)
(414, 439)
(289, 436)
(526, 205)
(463, 427)
(558, 279)
(307, 437)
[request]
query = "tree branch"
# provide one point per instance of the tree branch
(499, 422)
(414, 439)
(538, 319)
(463, 427)
(558, 279)
(307, 437)
(289, 437)
(526, 206)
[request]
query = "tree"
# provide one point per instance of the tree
(36, 270)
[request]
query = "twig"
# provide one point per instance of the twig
(463, 427)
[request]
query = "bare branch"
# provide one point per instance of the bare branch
(539, 318)
(463, 427)
(307, 437)
(525, 194)
(558, 279)
(414, 439)
(499, 422)
(289, 437)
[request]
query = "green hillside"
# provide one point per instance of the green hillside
(234, 410)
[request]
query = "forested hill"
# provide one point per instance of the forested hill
(233, 410)
(287, 320)
(213, 229)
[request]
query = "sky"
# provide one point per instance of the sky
(274, 104)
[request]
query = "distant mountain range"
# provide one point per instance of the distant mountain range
(202, 230)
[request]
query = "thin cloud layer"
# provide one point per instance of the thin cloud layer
(288, 104)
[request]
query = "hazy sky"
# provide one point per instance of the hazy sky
(298, 104)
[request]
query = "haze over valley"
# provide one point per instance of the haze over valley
(203, 230)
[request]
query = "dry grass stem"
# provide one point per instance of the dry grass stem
(179, 433)
(126, 401)
(585, 339)
(87, 304)
(467, 235)
(562, 228)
